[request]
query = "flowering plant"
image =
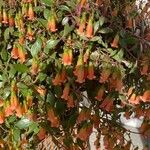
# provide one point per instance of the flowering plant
(55, 55)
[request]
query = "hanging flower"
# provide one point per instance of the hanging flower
(63, 75)
(146, 96)
(2, 117)
(51, 24)
(53, 118)
(7, 109)
(86, 56)
(100, 93)
(13, 101)
(115, 42)
(30, 33)
(107, 104)
(85, 132)
(89, 28)
(14, 52)
(58, 79)
(5, 17)
(30, 12)
(70, 101)
(21, 54)
(19, 111)
(34, 67)
(79, 71)
(83, 115)
(104, 75)
(66, 91)
(91, 75)
(67, 57)
(11, 21)
(42, 134)
(82, 24)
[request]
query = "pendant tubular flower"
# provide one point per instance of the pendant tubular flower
(21, 54)
(57, 80)
(104, 75)
(66, 91)
(11, 21)
(115, 42)
(30, 12)
(100, 93)
(34, 67)
(2, 117)
(146, 96)
(51, 24)
(53, 118)
(86, 56)
(91, 75)
(67, 57)
(14, 52)
(30, 33)
(70, 101)
(5, 17)
(89, 28)
(82, 24)
(79, 71)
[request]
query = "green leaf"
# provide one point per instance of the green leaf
(64, 8)
(60, 107)
(105, 30)
(16, 134)
(43, 22)
(36, 47)
(67, 29)
(58, 91)
(96, 26)
(34, 127)
(101, 20)
(6, 34)
(46, 13)
(48, 2)
(41, 76)
(4, 54)
(50, 45)
(23, 123)
(12, 119)
(119, 56)
(21, 68)
(50, 98)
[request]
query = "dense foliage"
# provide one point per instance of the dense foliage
(67, 67)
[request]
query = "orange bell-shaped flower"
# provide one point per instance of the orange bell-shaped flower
(86, 55)
(104, 75)
(100, 93)
(79, 71)
(89, 28)
(51, 24)
(21, 54)
(14, 52)
(53, 118)
(67, 57)
(146, 96)
(2, 117)
(31, 12)
(82, 24)
(66, 91)
(30, 33)
(115, 42)
(5, 17)
(11, 21)
(91, 75)
(57, 80)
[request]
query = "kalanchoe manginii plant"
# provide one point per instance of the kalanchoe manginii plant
(54, 55)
